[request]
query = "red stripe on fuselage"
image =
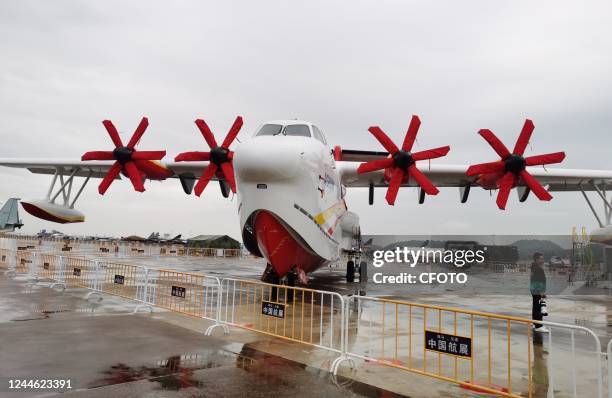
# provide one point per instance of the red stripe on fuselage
(280, 248)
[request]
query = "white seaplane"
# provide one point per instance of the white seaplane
(291, 183)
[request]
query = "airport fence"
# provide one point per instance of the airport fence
(609, 355)
(308, 316)
(116, 247)
(483, 353)
(5, 259)
(191, 294)
(476, 350)
(124, 280)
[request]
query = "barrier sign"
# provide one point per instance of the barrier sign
(119, 279)
(273, 309)
(46, 266)
(448, 344)
(76, 272)
(178, 291)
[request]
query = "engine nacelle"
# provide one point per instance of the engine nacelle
(602, 235)
(52, 212)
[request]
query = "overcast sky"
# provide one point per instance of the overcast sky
(460, 65)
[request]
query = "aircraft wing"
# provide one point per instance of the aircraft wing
(97, 168)
(441, 175)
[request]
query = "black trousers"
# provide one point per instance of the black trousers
(536, 309)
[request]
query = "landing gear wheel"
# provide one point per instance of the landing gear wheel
(350, 271)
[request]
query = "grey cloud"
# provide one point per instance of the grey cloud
(462, 66)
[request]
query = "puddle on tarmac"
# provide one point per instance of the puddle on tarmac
(37, 312)
(183, 371)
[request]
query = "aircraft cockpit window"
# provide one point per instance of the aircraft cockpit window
(300, 130)
(318, 134)
(270, 129)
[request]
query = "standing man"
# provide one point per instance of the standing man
(537, 285)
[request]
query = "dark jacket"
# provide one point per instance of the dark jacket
(537, 280)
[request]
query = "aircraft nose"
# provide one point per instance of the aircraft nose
(264, 159)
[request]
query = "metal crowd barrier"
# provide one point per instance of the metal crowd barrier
(79, 272)
(23, 261)
(475, 350)
(308, 316)
(5, 259)
(191, 294)
(609, 355)
(124, 280)
(49, 266)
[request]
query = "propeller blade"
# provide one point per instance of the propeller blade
(148, 155)
(523, 139)
(505, 185)
(208, 135)
(110, 176)
(135, 176)
(375, 165)
(112, 131)
(484, 168)
(228, 172)
(205, 178)
(192, 157)
(549, 158)
(142, 126)
(422, 180)
(431, 153)
(495, 143)
(411, 134)
(98, 155)
(229, 138)
(383, 139)
(535, 186)
(394, 185)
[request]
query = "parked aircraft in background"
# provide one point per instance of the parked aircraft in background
(9, 216)
(155, 238)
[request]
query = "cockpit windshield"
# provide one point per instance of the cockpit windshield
(270, 129)
(295, 130)
(300, 130)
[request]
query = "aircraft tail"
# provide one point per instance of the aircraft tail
(9, 216)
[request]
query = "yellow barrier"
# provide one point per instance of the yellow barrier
(5, 258)
(23, 261)
(190, 294)
(128, 281)
(302, 315)
(49, 266)
(79, 272)
(481, 352)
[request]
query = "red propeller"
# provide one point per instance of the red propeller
(511, 167)
(128, 160)
(220, 156)
(401, 162)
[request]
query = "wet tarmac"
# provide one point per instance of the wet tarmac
(108, 351)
